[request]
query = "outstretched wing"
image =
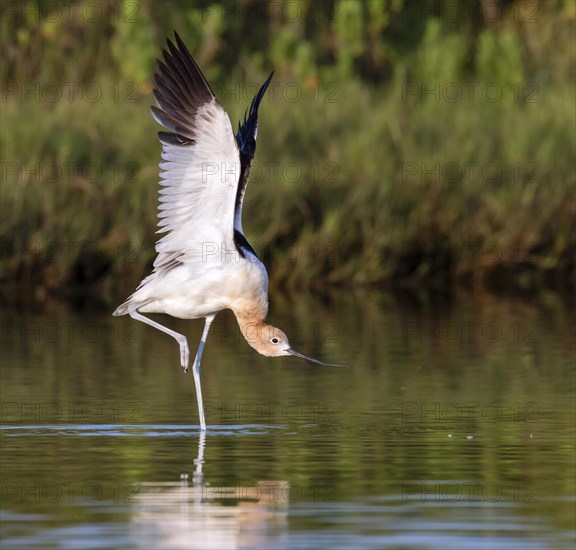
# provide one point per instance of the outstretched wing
(246, 141)
(200, 167)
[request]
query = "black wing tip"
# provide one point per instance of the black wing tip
(180, 55)
(263, 88)
(180, 89)
(178, 43)
(269, 79)
(260, 95)
(250, 123)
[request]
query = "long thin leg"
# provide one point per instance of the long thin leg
(184, 352)
(180, 338)
(196, 371)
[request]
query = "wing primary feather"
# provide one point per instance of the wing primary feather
(180, 90)
(191, 67)
(246, 140)
(247, 131)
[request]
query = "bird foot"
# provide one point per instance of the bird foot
(184, 356)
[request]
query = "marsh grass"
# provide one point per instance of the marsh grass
(372, 184)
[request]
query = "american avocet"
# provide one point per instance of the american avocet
(205, 263)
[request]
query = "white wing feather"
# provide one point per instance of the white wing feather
(198, 190)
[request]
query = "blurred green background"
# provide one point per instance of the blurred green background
(402, 143)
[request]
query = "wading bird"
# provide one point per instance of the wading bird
(204, 263)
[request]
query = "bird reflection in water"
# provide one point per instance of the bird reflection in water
(199, 515)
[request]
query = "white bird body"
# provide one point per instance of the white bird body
(204, 263)
(187, 290)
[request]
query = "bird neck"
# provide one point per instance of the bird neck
(252, 326)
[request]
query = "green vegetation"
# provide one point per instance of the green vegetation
(401, 142)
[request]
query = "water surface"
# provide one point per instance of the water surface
(454, 427)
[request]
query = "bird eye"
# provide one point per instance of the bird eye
(274, 340)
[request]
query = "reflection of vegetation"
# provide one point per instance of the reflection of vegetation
(410, 147)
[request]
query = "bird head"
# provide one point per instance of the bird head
(273, 342)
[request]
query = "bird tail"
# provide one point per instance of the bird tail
(122, 309)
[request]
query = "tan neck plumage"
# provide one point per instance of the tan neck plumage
(253, 327)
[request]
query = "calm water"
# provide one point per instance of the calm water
(454, 428)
